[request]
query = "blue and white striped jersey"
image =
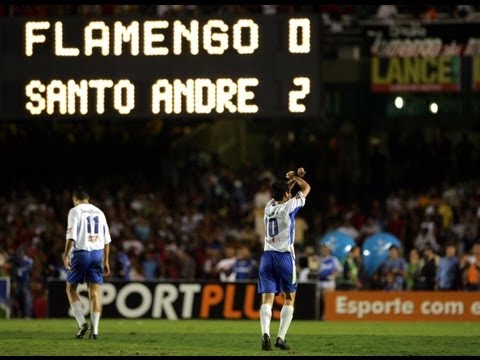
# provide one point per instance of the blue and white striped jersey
(87, 225)
(280, 224)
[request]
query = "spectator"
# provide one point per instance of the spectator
(413, 270)
(123, 265)
(260, 199)
(188, 267)
(348, 229)
(470, 267)
(467, 240)
(311, 265)
(371, 227)
(428, 268)
(149, 263)
(3, 263)
(350, 279)
(245, 266)
(393, 271)
(329, 270)
(356, 215)
(21, 265)
(445, 212)
(225, 266)
(301, 228)
(426, 235)
(448, 272)
(396, 224)
(136, 270)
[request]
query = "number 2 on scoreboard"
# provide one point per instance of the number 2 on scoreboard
(294, 96)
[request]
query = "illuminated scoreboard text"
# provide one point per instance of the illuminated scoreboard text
(265, 66)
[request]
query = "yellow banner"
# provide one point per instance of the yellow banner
(415, 74)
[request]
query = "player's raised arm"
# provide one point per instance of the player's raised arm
(291, 182)
(297, 178)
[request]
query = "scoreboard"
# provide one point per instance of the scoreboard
(264, 66)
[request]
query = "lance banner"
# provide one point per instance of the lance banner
(422, 57)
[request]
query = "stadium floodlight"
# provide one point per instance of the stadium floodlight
(399, 102)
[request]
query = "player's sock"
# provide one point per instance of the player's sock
(265, 318)
(78, 313)
(95, 320)
(286, 316)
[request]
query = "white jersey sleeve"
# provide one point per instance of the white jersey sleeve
(280, 224)
(88, 227)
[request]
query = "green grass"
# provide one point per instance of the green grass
(149, 337)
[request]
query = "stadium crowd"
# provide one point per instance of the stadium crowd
(210, 228)
(337, 14)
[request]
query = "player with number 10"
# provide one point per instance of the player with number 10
(277, 270)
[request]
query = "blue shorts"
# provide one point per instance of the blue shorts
(86, 266)
(277, 273)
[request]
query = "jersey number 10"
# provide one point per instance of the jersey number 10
(272, 227)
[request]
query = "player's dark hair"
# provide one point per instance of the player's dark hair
(80, 192)
(279, 188)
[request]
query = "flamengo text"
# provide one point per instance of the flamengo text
(161, 37)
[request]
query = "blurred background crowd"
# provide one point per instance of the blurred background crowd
(190, 215)
(208, 224)
(340, 14)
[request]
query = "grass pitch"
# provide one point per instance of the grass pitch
(148, 337)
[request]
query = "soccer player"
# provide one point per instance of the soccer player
(86, 258)
(277, 270)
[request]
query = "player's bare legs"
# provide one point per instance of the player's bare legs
(72, 293)
(77, 310)
(95, 308)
